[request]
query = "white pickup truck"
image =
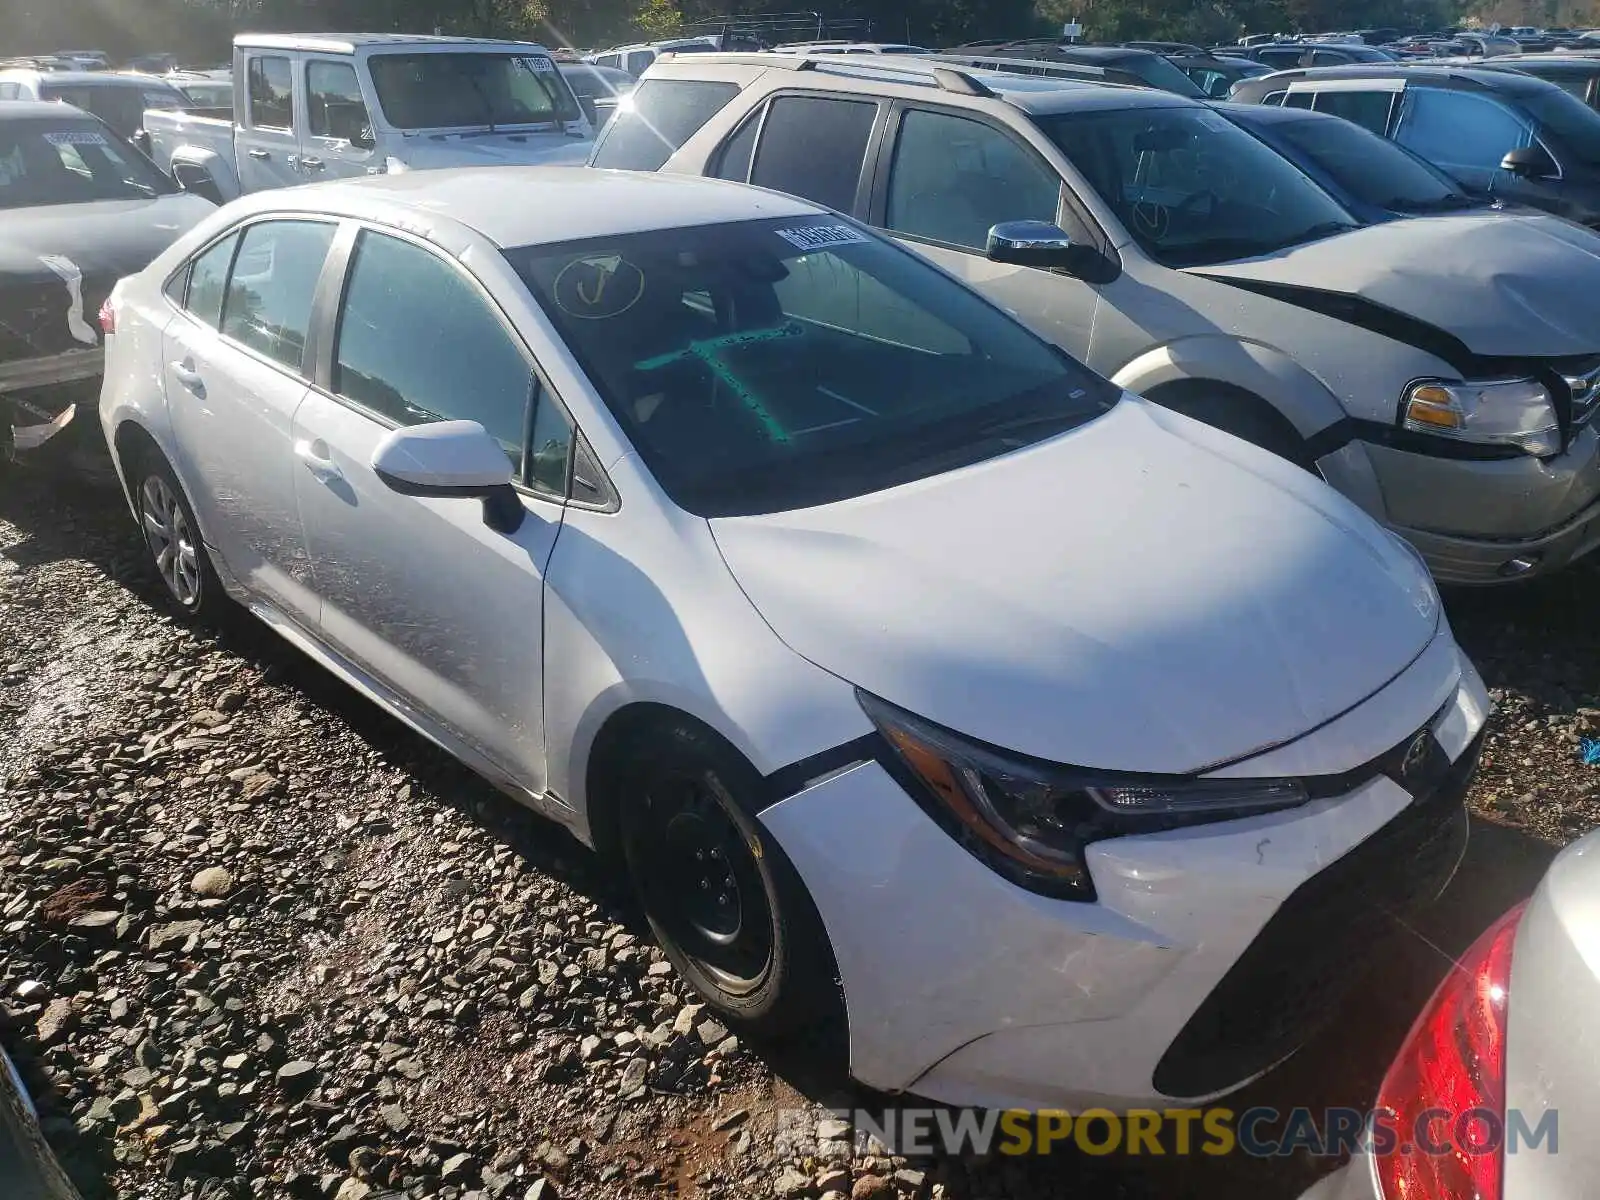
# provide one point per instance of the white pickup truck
(323, 106)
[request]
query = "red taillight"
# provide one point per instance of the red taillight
(1453, 1061)
(108, 317)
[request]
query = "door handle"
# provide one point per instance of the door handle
(315, 457)
(185, 374)
(258, 155)
(313, 164)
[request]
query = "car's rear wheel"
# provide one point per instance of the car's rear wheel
(172, 537)
(726, 905)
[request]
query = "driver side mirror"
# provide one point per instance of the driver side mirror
(451, 459)
(1530, 162)
(1031, 244)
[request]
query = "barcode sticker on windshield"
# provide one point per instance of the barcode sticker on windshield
(542, 65)
(818, 237)
(82, 137)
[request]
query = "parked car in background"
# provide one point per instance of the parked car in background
(1509, 1033)
(85, 60)
(120, 100)
(1476, 45)
(698, 448)
(27, 1163)
(598, 89)
(1500, 133)
(79, 209)
(152, 64)
(1281, 56)
(1215, 74)
(636, 59)
(1575, 73)
(1186, 260)
(1117, 64)
(1376, 179)
(326, 106)
(849, 48)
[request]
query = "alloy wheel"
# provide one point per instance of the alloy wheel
(171, 540)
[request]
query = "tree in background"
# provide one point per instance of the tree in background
(657, 20)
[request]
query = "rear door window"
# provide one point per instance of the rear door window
(208, 281)
(814, 147)
(662, 116)
(1459, 131)
(268, 304)
(271, 94)
(1370, 110)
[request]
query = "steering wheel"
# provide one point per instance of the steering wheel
(1190, 204)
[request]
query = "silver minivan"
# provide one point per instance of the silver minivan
(1441, 371)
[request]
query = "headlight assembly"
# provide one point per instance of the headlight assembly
(1032, 821)
(1494, 412)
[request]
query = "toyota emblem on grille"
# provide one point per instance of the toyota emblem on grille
(1413, 767)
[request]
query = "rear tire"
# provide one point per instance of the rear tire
(726, 905)
(172, 539)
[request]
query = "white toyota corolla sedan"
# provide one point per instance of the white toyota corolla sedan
(1071, 749)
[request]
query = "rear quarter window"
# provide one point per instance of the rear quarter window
(657, 119)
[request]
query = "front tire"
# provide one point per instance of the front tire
(172, 539)
(727, 906)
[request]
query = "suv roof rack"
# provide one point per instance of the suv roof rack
(935, 73)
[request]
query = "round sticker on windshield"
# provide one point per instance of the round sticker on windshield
(598, 286)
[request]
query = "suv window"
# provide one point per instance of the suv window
(954, 178)
(639, 61)
(814, 147)
(274, 279)
(1329, 58)
(10, 91)
(1457, 130)
(449, 360)
(271, 94)
(1281, 60)
(1370, 110)
(208, 281)
(333, 94)
(663, 115)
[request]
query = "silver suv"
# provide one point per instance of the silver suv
(1441, 372)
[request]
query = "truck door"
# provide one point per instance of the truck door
(339, 139)
(266, 141)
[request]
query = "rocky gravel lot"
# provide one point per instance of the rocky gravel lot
(256, 939)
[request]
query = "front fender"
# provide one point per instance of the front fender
(223, 172)
(1303, 399)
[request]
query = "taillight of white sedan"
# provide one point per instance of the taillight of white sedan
(1070, 748)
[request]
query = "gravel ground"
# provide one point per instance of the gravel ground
(258, 939)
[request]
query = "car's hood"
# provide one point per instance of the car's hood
(1143, 593)
(542, 148)
(1501, 283)
(59, 262)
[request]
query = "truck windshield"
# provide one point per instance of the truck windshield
(1192, 188)
(455, 91)
(71, 162)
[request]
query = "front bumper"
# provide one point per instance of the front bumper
(966, 989)
(1484, 522)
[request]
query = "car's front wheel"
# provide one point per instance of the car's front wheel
(172, 537)
(726, 905)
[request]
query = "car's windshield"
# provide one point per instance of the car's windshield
(454, 91)
(1192, 188)
(777, 364)
(1159, 73)
(1572, 121)
(1372, 169)
(71, 162)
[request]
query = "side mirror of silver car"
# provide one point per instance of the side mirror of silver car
(451, 459)
(1031, 244)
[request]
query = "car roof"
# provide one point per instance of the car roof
(349, 43)
(40, 110)
(88, 78)
(530, 206)
(1270, 114)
